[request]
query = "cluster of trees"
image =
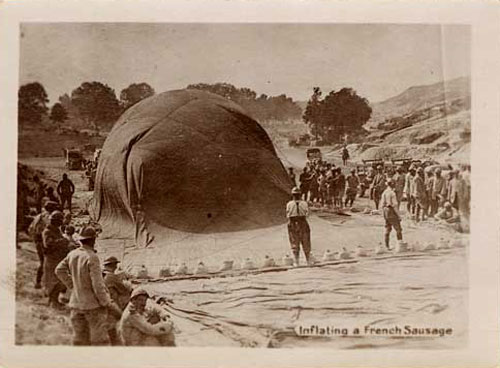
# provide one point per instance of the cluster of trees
(340, 114)
(262, 108)
(93, 104)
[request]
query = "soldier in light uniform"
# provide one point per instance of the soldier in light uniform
(389, 203)
(299, 232)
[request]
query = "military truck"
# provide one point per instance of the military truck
(314, 155)
(74, 159)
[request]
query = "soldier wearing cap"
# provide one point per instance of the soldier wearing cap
(119, 291)
(81, 272)
(378, 185)
(144, 324)
(35, 230)
(389, 203)
(299, 232)
(55, 248)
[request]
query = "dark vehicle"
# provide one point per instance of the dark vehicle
(74, 159)
(314, 154)
(374, 163)
(403, 162)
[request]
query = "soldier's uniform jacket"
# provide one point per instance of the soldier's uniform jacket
(81, 271)
(55, 248)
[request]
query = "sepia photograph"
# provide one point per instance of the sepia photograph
(255, 186)
(247, 185)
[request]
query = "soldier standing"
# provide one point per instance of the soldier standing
(299, 232)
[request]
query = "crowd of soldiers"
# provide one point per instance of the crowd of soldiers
(428, 193)
(104, 307)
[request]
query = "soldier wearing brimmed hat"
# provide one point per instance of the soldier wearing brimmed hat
(89, 302)
(35, 230)
(389, 203)
(55, 248)
(299, 232)
(144, 324)
(119, 291)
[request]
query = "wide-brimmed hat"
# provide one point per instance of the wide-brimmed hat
(138, 291)
(56, 215)
(111, 260)
(296, 190)
(87, 233)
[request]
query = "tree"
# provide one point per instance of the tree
(135, 93)
(313, 112)
(32, 103)
(58, 114)
(97, 104)
(261, 108)
(338, 114)
(343, 112)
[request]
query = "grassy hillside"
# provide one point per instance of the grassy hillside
(422, 97)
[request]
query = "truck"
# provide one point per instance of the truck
(314, 154)
(74, 159)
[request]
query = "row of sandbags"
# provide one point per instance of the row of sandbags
(287, 261)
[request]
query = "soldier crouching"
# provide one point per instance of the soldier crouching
(142, 325)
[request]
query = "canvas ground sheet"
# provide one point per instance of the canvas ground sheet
(261, 310)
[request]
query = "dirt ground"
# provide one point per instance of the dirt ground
(261, 309)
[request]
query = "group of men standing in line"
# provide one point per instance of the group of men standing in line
(327, 185)
(104, 308)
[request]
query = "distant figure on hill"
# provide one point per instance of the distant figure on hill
(299, 232)
(345, 155)
(65, 189)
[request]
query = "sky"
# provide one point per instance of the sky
(378, 61)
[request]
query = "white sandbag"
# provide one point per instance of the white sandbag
(142, 273)
(165, 272)
(328, 256)
(181, 269)
(402, 247)
(429, 246)
(360, 251)
(201, 269)
(444, 244)
(227, 265)
(380, 249)
(287, 260)
(268, 262)
(344, 254)
(247, 264)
